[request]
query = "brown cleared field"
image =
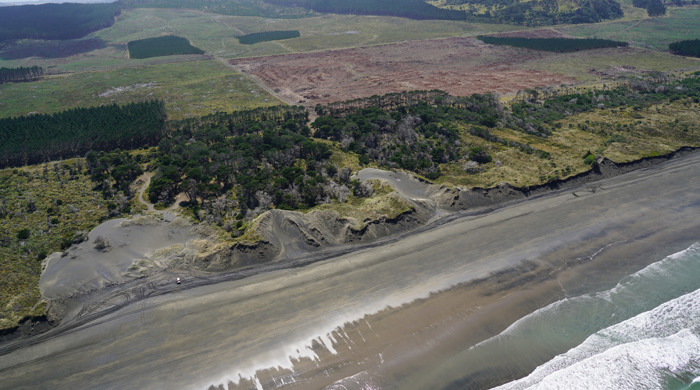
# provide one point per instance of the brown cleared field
(459, 66)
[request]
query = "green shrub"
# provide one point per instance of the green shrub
(589, 159)
(23, 234)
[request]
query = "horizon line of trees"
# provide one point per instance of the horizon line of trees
(21, 74)
(547, 12)
(224, 7)
(560, 45)
(55, 21)
(530, 13)
(411, 9)
(653, 7)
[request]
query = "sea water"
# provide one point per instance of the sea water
(642, 334)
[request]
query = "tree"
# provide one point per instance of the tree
(655, 8)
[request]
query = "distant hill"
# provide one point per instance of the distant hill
(537, 12)
(55, 21)
(225, 7)
(412, 9)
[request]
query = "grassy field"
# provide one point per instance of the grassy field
(216, 34)
(192, 88)
(603, 65)
(101, 71)
(653, 33)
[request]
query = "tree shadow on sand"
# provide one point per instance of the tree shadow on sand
(49, 49)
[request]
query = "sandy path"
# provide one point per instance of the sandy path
(212, 334)
(146, 179)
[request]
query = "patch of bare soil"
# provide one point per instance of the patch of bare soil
(459, 66)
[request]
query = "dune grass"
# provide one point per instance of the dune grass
(38, 214)
(622, 135)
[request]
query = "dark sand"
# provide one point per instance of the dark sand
(332, 318)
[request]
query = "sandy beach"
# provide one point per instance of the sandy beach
(393, 315)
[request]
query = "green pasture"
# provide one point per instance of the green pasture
(653, 33)
(192, 88)
(625, 62)
(216, 34)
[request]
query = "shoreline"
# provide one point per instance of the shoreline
(520, 256)
(464, 203)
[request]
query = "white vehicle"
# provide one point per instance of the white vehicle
(178, 281)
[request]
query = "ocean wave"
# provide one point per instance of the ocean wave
(632, 295)
(636, 353)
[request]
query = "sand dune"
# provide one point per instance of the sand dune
(386, 314)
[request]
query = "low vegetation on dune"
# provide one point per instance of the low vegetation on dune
(479, 141)
(44, 209)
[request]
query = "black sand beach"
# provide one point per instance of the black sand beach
(388, 316)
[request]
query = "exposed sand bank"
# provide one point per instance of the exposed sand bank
(332, 318)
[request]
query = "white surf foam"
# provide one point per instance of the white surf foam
(573, 305)
(642, 349)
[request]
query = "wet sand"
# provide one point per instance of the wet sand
(390, 316)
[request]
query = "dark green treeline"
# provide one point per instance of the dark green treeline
(39, 138)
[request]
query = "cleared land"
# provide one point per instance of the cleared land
(101, 71)
(459, 66)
